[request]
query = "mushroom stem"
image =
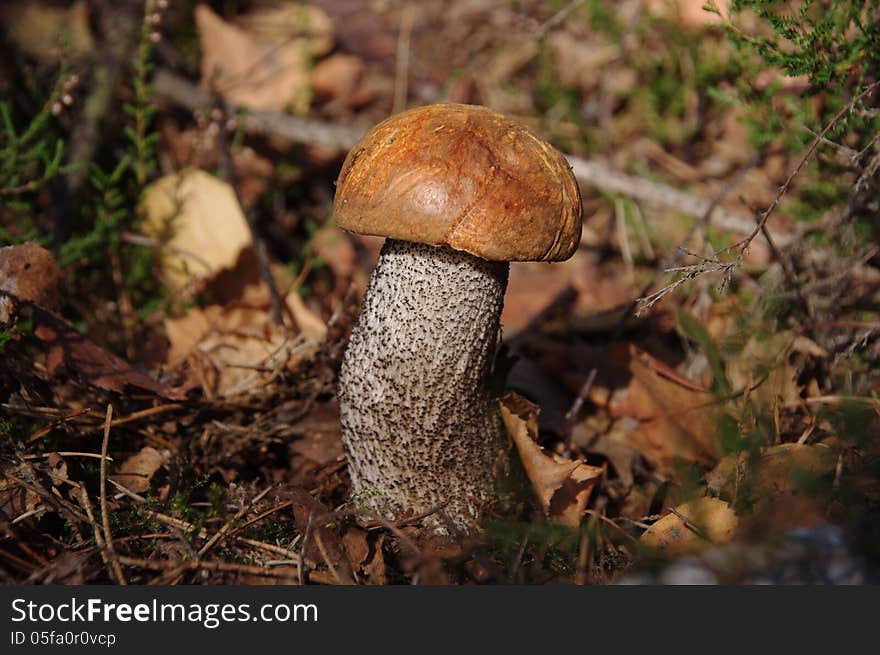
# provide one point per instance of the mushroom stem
(420, 425)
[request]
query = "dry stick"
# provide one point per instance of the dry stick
(577, 405)
(762, 222)
(590, 172)
(514, 570)
(105, 514)
(557, 18)
(690, 525)
(119, 27)
(336, 576)
(293, 128)
(23, 564)
(227, 172)
(99, 540)
(761, 226)
(302, 546)
(599, 175)
(227, 567)
(54, 424)
(260, 517)
(230, 524)
(180, 524)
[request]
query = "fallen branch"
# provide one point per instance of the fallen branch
(589, 172)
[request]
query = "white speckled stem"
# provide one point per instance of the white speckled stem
(420, 426)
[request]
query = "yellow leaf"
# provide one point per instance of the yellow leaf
(692, 527)
(199, 223)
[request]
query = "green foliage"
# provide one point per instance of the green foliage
(142, 110)
(835, 46)
(831, 41)
(31, 156)
(28, 159)
(96, 254)
(110, 213)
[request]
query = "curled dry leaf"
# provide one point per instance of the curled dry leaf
(199, 223)
(137, 471)
(692, 527)
(776, 470)
(29, 272)
(563, 486)
(263, 62)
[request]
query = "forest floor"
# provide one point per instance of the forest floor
(175, 299)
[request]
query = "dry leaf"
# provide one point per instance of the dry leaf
(678, 418)
(309, 323)
(337, 77)
(197, 219)
(321, 542)
(263, 62)
(776, 470)
(236, 348)
(764, 368)
(46, 32)
(365, 555)
(89, 361)
(613, 443)
(562, 486)
(29, 272)
(15, 499)
(137, 471)
(692, 527)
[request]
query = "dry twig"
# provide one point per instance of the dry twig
(105, 513)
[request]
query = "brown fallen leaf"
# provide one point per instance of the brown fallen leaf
(365, 555)
(137, 471)
(337, 77)
(613, 444)
(336, 249)
(321, 542)
(310, 325)
(88, 361)
(29, 272)
(263, 62)
(692, 527)
(563, 486)
(15, 498)
(678, 418)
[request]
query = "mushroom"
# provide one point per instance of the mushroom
(459, 191)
